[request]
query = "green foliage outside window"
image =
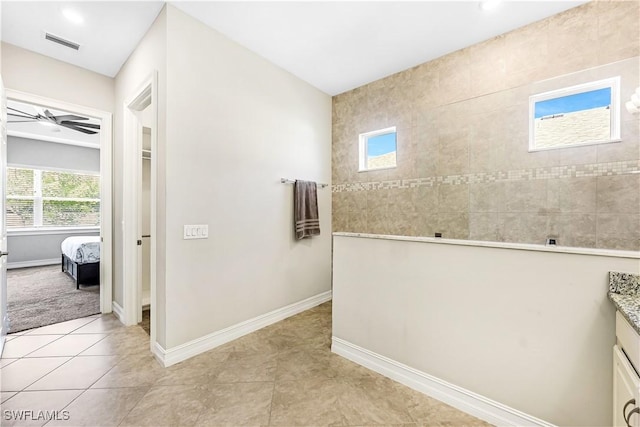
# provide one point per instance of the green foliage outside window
(51, 199)
(58, 184)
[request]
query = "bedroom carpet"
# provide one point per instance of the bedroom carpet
(40, 296)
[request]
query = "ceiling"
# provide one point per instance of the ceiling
(333, 45)
(47, 131)
(110, 32)
(337, 46)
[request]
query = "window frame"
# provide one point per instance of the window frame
(614, 125)
(38, 204)
(363, 148)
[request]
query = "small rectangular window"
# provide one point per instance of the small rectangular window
(378, 149)
(578, 115)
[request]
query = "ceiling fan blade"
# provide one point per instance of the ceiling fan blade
(50, 116)
(79, 129)
(21, 112)
(21, 121)
(67, 117)
(20, 115)
(84, 125)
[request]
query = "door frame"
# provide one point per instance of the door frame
(106, 176)
(4, 314)
(146, 95)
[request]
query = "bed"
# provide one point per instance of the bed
(81, 259)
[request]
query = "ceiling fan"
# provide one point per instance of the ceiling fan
(67, 120)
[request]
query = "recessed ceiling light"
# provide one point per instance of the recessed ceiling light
(489, 4)
(73, 16)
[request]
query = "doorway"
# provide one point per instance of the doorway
(80, 200)
(144, 286)
(139, 208)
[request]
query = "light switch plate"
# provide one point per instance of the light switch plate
(196, 231)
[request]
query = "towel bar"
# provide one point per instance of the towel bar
(293, 181)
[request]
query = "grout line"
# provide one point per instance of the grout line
(93, 345)
(80, 327)
(103, 375)
(25, 356)
(136, 405)
(67, 405)
(58, 367)
(273, 393)
(24, 389)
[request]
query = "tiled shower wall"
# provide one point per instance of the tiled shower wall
(464, 169)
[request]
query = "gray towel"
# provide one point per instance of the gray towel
(305, 209)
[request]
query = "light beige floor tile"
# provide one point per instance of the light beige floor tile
(141, 370)
(133, 340)
(242, 404)
(272, 339)
(307, 362)
(248, 367)
(201, 369)
(25, 344)
(5, 395)
(344, 368)
(303, 363)
(373, 401)
(79, 373)
(231, 385)
(5, 362)
(68, 345)
(46, 405)
(168, 406)
(306, 403)
(106, 407)
(107, 323)
(308, 327)
(24, 372)
(60, 328)
(427, 411)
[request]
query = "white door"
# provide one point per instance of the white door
(4, 319)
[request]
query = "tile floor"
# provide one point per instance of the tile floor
(102, 374)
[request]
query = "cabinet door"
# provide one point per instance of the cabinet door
(626, 386)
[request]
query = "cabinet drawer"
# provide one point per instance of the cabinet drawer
(628, 340)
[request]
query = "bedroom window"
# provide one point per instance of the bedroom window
(43, 198)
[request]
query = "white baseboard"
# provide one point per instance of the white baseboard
(35, 263)
(118, 311)
(200, 345)
(467, 401)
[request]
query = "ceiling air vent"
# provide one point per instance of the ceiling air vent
(61, 41)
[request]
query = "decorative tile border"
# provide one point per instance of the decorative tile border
(555, 172)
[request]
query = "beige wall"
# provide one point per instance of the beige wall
(149, 55)
(236, 125)
(37, 74)
(462, 125)
(531, 330)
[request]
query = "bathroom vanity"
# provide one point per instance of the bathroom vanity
(623, 292)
